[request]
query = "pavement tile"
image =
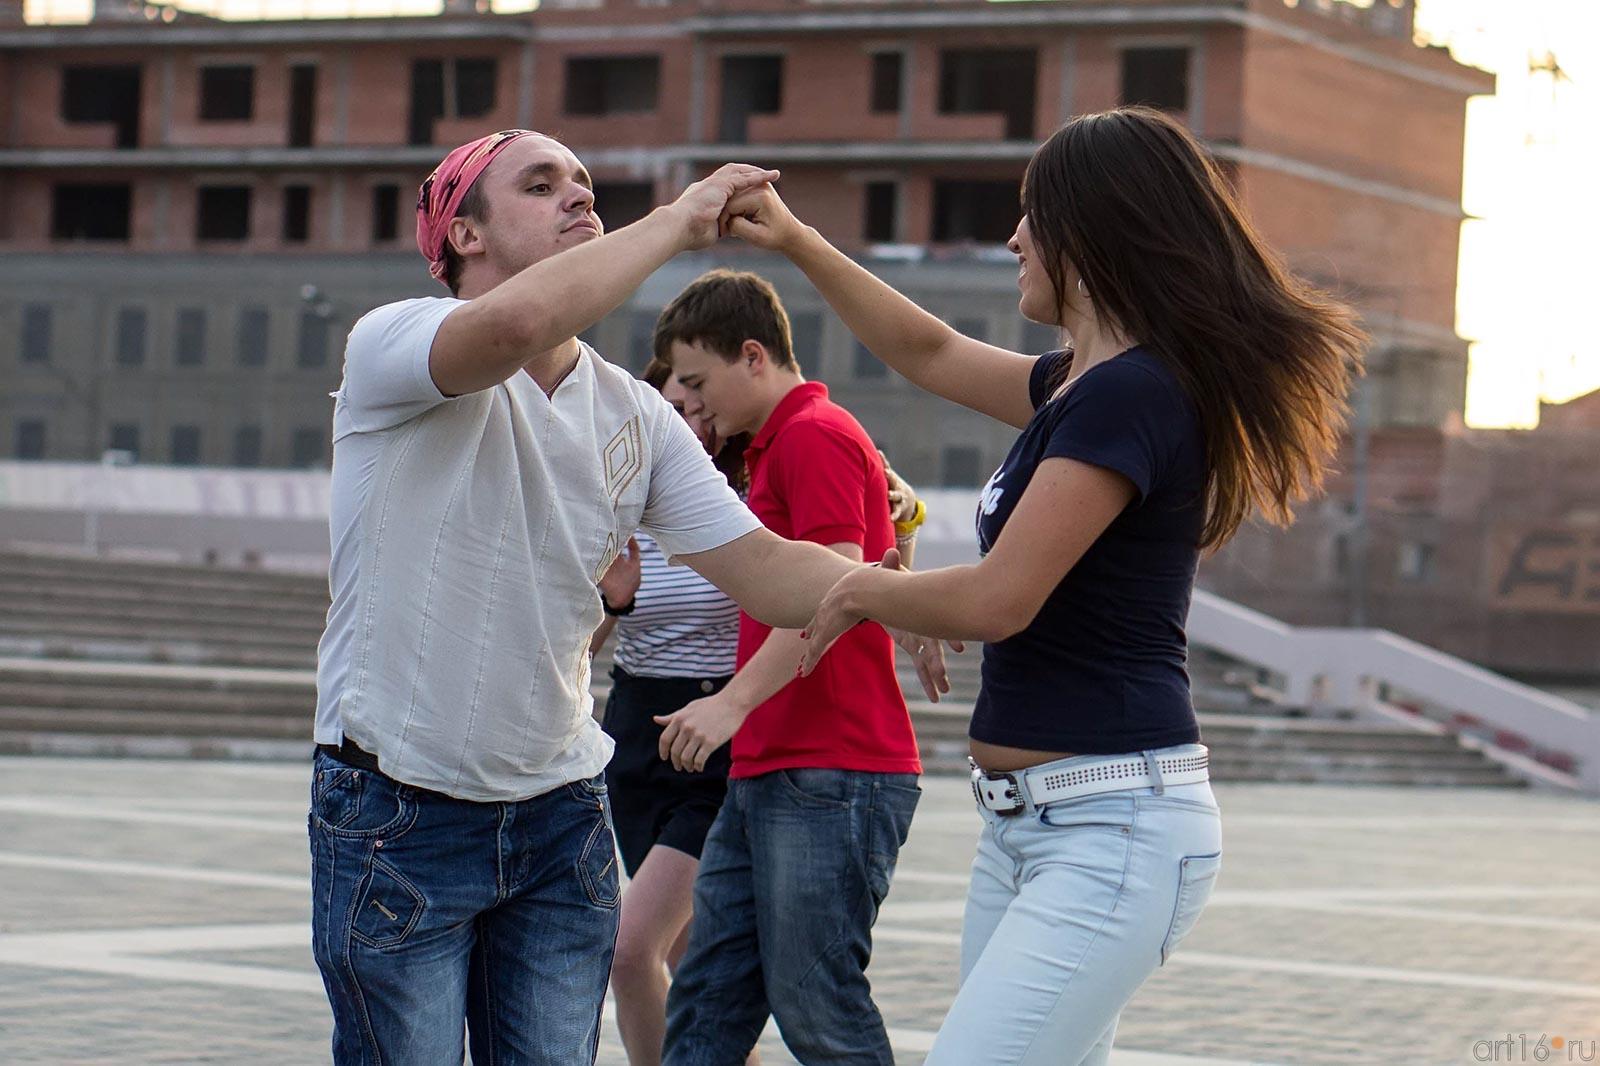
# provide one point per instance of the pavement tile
(1342, 979)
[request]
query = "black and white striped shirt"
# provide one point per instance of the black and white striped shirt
(681, 624)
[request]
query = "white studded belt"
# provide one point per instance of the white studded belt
(1011, 793)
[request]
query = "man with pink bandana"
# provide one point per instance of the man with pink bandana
(487, 468)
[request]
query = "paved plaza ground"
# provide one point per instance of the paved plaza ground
(157, 912)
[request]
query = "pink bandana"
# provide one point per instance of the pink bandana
(447, 186)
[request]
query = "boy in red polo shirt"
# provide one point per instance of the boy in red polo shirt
(824, 777)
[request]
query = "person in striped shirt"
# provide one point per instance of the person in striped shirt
(677, 635)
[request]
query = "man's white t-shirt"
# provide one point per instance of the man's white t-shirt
(469, 534)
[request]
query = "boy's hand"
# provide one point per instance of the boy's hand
(693, 733)
(621, 580)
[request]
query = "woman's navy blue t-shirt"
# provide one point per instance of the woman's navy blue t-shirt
(1102, 668)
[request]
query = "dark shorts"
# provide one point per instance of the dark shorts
(651, 803)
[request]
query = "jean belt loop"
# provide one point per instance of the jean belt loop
(1153, 767)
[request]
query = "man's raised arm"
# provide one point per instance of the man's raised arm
(776, 581)
(492, 336)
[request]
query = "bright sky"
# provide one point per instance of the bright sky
(1528, 259)
(1528, 263)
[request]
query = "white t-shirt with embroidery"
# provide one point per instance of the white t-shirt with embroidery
(468, 536)
(681, 625)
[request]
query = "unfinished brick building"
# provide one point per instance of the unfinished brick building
(195, 210)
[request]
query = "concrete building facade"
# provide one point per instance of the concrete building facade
(195, 211)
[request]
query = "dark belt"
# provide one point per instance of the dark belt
(351, 754)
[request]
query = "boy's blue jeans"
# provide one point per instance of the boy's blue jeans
(791, 879)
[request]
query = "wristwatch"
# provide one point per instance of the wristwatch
(616, 612)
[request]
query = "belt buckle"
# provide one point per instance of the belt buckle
(987, 796)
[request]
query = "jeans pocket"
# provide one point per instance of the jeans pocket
(818, 789)
(894, 804)
(336, 796)
(359, 804)
(1197, 875)
(597, 867)
(389, 909)
(1107, 811)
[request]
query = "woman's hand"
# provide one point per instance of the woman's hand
(701, 210)
(759, 217)
(837, 613)
(834, 618)
(621, 582)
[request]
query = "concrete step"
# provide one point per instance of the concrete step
(946, 758)
(208, 710)
(222, 640)
(263, 706)
(1238, 701)
(146, 687)
(84, 597)
(1296, 750)
(135, 617)
(159, 676)
(1456, 757)
(125, 746)
(123, 743)
(120, 650)
(1483, 777)
(132, 721)
(1266, 740)
(68, 569)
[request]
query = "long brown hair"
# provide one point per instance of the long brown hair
(730, 457)
(1134, 203)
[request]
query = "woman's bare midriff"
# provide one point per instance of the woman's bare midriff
(998, 758)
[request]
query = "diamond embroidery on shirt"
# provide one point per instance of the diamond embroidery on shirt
(624, 458)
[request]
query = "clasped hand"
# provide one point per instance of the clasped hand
(835, 616)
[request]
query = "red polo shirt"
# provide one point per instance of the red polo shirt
(815, 475)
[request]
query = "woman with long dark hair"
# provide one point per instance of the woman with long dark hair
(1203, 382)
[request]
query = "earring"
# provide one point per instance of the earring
(1083, 290)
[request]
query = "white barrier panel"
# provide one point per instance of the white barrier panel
(1346, 668)
(274, 518)
(266, 494)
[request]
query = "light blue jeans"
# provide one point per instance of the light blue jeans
(1072, 906)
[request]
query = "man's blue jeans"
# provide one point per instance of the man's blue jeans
(791, 878)
(428, 910)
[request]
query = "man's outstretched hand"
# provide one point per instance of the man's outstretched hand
(702, 206)
(927, 654)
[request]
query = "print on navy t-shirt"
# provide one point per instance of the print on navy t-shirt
(1102, 668)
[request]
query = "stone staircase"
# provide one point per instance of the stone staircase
(101, 657)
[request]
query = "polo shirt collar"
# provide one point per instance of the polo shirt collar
(797, 398)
